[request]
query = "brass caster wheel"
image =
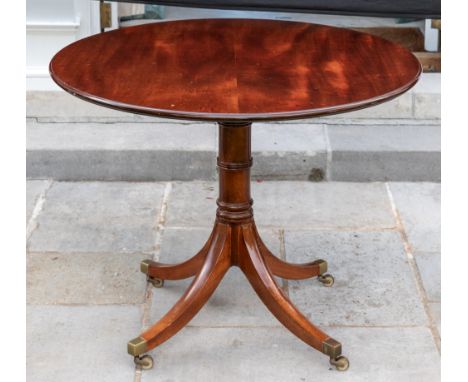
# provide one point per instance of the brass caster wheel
(157, 283)
(341, 363)
(144, 361)
(326, 279)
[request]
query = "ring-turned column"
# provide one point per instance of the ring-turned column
(234, 163)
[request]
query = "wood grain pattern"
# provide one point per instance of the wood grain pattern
(235, 69)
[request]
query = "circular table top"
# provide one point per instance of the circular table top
(235, 69)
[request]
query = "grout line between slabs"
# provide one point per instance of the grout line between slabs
(159, 228)
(414, 268)
(32, 223)
(137, 377)
(161, 222)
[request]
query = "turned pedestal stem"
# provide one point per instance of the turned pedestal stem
(234, 163)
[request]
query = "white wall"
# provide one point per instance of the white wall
(51, 25)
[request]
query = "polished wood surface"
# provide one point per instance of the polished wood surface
(234, 241)
(235, 69)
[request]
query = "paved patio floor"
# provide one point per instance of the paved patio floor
(86, 297)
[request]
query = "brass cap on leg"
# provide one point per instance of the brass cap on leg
(137, 346)
(144, 266)
(331, 348)
(323, 266)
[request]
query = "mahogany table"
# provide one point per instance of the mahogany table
(234, 72)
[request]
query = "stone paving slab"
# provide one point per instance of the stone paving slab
(429, 268)
(98, 217)
(76, 344)
(384, 152)
(234, 302)
(419, 208)
(275, 355)
(373, 286)
(192, 204)
(85, 278)
(290, 204)
(331, 205)
(34, 188)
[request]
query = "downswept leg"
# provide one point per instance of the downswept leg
(255, 268)
(216, 264)
(291, 271)
(158, 272)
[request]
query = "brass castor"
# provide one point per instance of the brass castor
(341, 363)
(157, 283)
(326, 279)
(144, 361)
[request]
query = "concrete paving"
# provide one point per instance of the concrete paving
(86, 297)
